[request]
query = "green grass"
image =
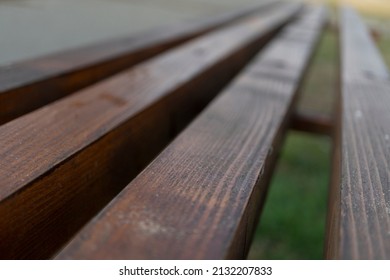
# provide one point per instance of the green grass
(319, 90)
(384, 46)
(293, 221)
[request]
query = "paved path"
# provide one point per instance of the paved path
(30, 28)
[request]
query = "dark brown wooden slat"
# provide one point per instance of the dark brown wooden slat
(312, 123)
(61, 164)
(31, 84)
(361, 208)
(200, 198)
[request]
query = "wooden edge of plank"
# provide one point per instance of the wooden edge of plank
(28, 85)
(199, 199)
(65, 161)
(333, 200)
(332, 242)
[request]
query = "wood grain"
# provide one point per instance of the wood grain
(31, 84)
(200, 198)
(362, 208)
(61, 164)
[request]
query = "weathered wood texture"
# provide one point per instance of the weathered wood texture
(201, 197)
(62, 163)
(362, 210)
(31, 84)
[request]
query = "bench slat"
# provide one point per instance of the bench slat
(61, 164)
(31, 84)
(201, 197)
(360, 207)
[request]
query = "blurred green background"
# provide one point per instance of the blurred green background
(292, 224)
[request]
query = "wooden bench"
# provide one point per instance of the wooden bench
(170, 158)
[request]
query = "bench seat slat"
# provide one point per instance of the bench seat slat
(200, 198)
(62, 163)
(360, 208)
(28, 85)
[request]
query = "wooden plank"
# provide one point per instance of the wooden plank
(29, 85)
(61, 164)
(361, 209)
(201, 197)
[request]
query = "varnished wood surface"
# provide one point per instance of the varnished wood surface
(362, 211)
(62, 163)
(31, 84)
(200, 198)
